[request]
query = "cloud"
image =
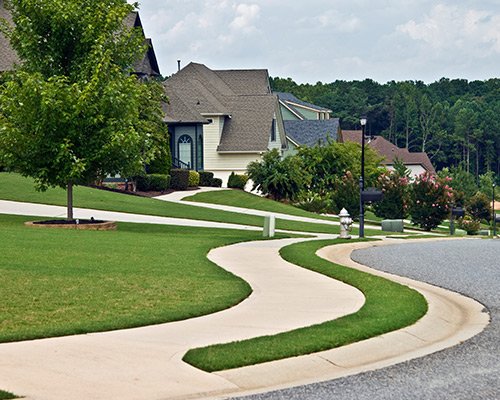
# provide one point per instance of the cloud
(456, 28)
(334, 20)
(246, 15)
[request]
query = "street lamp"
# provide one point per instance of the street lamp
(362, 120)
(494, 215)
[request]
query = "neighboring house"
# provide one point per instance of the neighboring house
(306, 124)
(144, 69)
(219, 121)
(417, 163)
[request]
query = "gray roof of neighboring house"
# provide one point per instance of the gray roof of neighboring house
(390, 151)
(311, 132)
(290, 98)
(147, 66)
(243, 96)
(7, 54)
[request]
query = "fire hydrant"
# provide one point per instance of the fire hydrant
(345, 224)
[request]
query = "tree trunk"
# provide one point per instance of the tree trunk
(70, 201)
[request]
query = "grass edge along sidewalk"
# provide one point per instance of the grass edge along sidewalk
(389, 306)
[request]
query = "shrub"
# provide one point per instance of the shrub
(179, 179)
(141, 181)
(206, 178)
(480, 207)
(194, 178)
(282, 179)
(346, 195)
(469, 225)
(311, 201)
(158, 182)
(216, 182)
(431, 198)
(396, 198)
(237, 181)
(161, 164)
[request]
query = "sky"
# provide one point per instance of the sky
(327, 40)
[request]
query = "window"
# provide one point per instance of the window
(273, 131)
(185, 149)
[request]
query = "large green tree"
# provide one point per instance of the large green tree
(73, 111)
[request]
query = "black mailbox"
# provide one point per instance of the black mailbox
(497, 218)
(458, 212)
(371, 194)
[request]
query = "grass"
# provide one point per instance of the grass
(389, 306)
(16, 188)
(63, 282)
(7, 396)
(239, 198)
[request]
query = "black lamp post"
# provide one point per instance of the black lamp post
(362, 120)
(494, 215)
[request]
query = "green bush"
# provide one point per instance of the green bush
(431, 197)
(469, 225)
(158, 182)
(179, 179)
(216, 182)
(141, 181)
(206, 178)
(237, 181)
(479, 207)
(194, 178)
(345, 195)
(395, 202)
(311, 201)
(161, 164)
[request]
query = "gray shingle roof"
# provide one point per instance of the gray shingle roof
(290, 98)
(244, 95)
(7, 55)
(310, 132)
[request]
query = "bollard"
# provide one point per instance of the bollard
(269, 223)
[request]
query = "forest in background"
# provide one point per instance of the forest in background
(455, 121)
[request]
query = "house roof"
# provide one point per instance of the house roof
(291, 99)
(390, 151)
(147, 66)
(196, 92)
(7, 54)
(310, 132)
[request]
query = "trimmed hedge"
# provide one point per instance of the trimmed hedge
(179, 179)
(152, 182)
(194, 178)
(206, 178)
(216, 182)
(237, 181)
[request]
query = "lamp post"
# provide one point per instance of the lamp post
(494, 215)
(362, 120)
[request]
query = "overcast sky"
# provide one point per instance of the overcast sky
(326, 40)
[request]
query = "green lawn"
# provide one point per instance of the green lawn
(239, 198)
(389, 306)
(60, 282)
(16, 188)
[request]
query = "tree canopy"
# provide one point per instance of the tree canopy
(72, 111)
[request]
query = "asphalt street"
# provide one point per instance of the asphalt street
(470, 370)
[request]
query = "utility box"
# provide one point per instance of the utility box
(392, 225)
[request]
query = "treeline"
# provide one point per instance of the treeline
(457, 122)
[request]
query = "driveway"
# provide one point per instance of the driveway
(470, 370)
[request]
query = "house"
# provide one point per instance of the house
(417, 163)
(221, 120)
(145, 68)
(306, 124)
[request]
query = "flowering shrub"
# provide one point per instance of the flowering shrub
(471, 226)
(431, 197)
(346, 195)
(396, 198)
(479, 207)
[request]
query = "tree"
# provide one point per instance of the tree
(282, 179)
(73, 112)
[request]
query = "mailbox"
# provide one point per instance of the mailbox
(371, 194)
(458, 212)
(497, 218)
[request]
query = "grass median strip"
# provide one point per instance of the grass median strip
(389, 306)
(63, 282)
